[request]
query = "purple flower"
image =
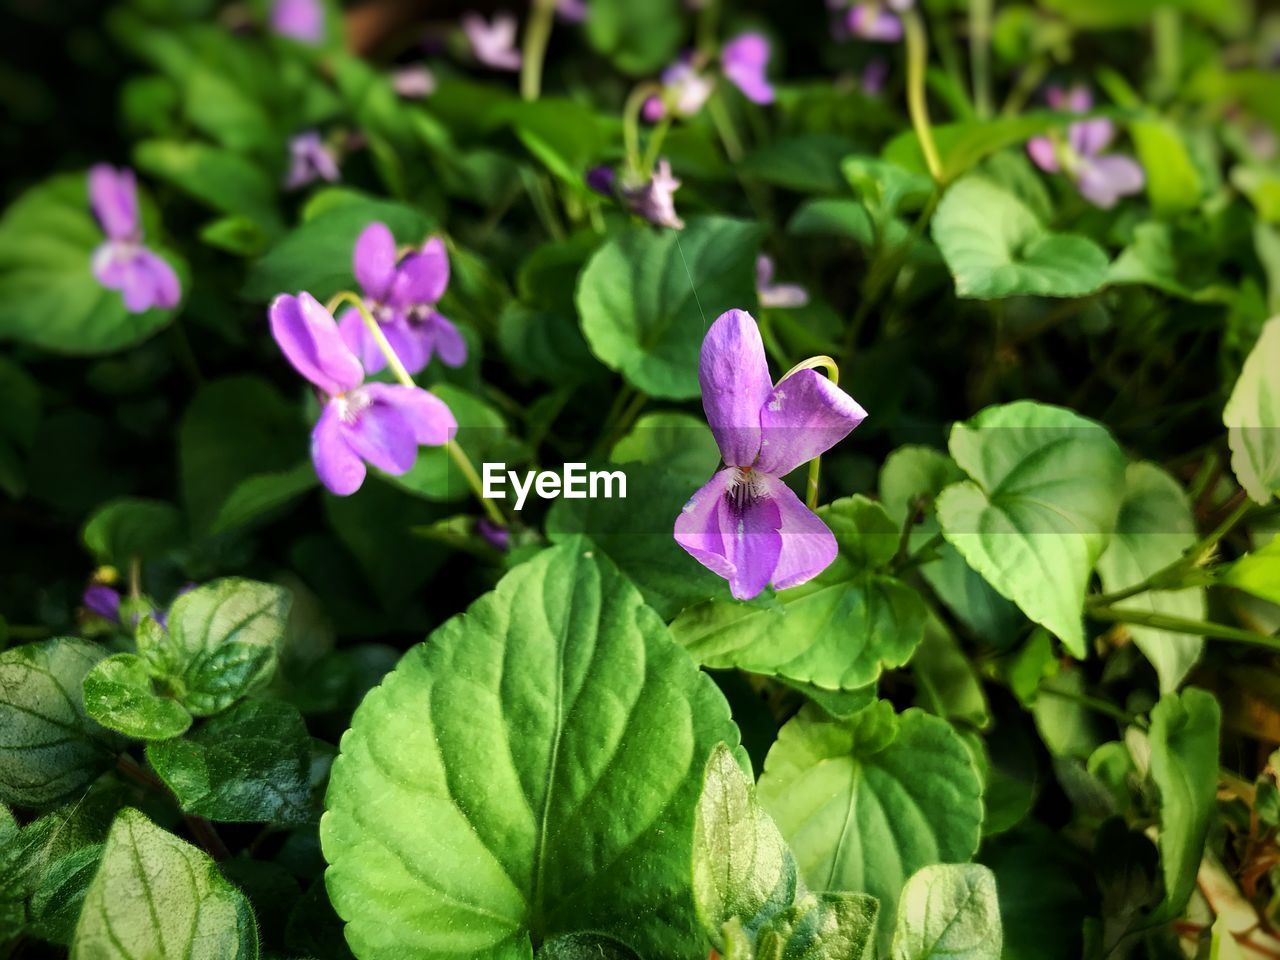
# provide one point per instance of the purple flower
(1101, 179)
(310, 159)
(572, 11)
(777, 294)
(744, 60)
(655, 200)
(122, 263)
(874, 75)
(413, 82)
(685, 89)
(497, 537)
(401, 293)
(745, 524)
(873, 21)
(376, 423)
(102, 600)
(301, 20)
(493, 43)
(601, 179)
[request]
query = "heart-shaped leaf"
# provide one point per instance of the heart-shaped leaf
(1252, 418)
(530, 771)
(949, 911)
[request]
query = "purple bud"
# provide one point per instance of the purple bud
(498, 537)
(601, 179)
(102, 600)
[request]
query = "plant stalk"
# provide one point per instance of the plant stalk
(917, 106)
(536, 36)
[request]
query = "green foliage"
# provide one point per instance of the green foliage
(1252, 418)
(951, 911)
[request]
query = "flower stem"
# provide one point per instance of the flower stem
(980, 13)
(724, 126)
(536, 36)
(654, 146)
(631, 123)
(917, 61)
(815, 465)
(452, 448)
(1199, 628)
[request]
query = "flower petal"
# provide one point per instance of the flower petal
(805, 415)
(735, 383)
(113, 197)
(310, 340)
(446, 340)
(360, 341)
(1090, 137)
(166, 291)
(752, 542)
(337, 465)
(380, 434)
(430, 419)
(301, 20)
(374, 261)
(1104, 180)
(808, 545)
(870, 22)
(745, 59)
(697, 527)
(1043, 154)
(423, 276)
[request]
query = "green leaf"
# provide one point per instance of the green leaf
(221, 642)
(833, 217)
(637, 38)
(531, 770)
(1043, 499)
(1173, 184)
(132, 528)
(155, 896)
(996, 247)
(828, 926)
(256, 496)
(946, 682)
(1175, 262)
(1257, 573)
(964, 145)
(316, 256)
(742, 868)
(224, 181)
(838, 631)
(1184, 766)
(646, 298)
(868, 801)
(49, 296)
(808, 163)
(120, 694)
(49, 747)
(1252, 418)
(949, 912)
(1155, 527)
(250, 764)
(678, 442)
(584, 946)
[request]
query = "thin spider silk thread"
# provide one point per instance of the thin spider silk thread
(692, 286)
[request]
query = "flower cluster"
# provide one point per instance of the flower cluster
(1102, 179)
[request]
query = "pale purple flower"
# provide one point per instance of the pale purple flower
(380, 424)
(746, 524)
(655, 200)
(493, 43)
(874, 21)
(572, 11)
(781, 295)
(874, 74)
(496, 536)
(685, 89)
(301, 20)
(102, 600)
(745, 60)
(413, 82)
(1102, 179)
(310, 159)
(401, 293)
(121, 262)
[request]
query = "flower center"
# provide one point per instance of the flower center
(351, 404)
(746, 487)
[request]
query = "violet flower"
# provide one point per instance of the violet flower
(874, 75)
(492, 43)
(301, 20)
(744, 60)
(143, 277)
(655, 200)
(781, 295)
(602, 179)
(685, 89)
(746, 524)
(496, 536)
(401, 293)
(572, 11)
(103, 601)
(415, 82)
(877, 20)
(1102, 179)
(310, 159)
(380, 424)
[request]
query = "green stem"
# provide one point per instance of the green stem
(917, 62)
(631, 124)
(1198, 628)
(452, 448)
(724, 127)
(654, 147)
(1167, 28)
(1094, 703)
(980, 17)
(815, 465)
(536, 36)
(1169, 577)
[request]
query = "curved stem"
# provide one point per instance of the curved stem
(815, 465)
(536, 36)
(1198, 628)
(917, 61)
(724, 126)
(452, 448)
(631, 122)
(654, 147)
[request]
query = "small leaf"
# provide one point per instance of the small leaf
(258, 495)
(221, 642)
(1043, 499)
(947, 683)
(1173, 184)
(646, 298)
(223, 180)
(677, 442)
(584, 946)
(49, 747)
(248, 765)
(1184, 766)
(1257, 573)
(826, 926)
(119, 693)
(133, 528)
(1252, 418)
(995, 247)
(155, 896)
(637, 38)
(949, 912)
